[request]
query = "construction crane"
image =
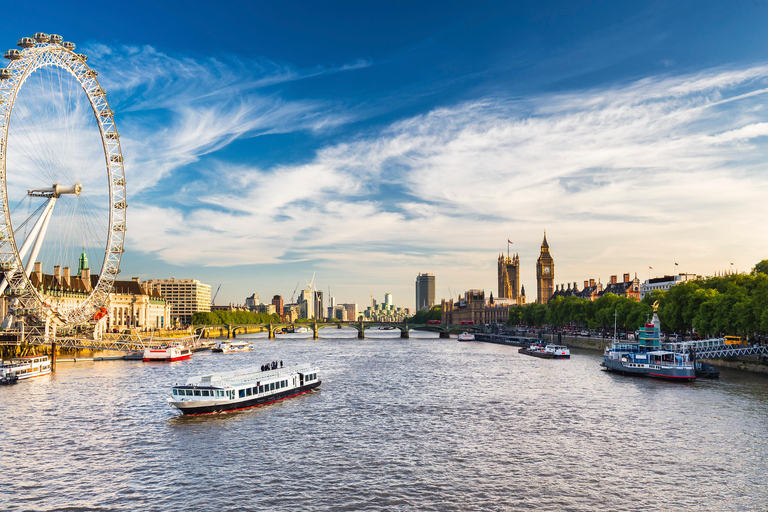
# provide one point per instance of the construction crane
(294, 291)
(213, 300)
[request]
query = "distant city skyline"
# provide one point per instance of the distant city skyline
(369, 142)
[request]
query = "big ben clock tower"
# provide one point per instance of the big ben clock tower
(545, 273)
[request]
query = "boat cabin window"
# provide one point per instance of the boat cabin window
(197, 392)
(206, 392)
(242, 393)
(175, 391)
(248, 392)
(189, 392)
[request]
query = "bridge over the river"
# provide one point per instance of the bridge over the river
(232, 330)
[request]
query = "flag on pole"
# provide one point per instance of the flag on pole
(509, 241)
(650, 267)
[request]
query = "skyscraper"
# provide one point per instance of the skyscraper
(425, 291)
(278, 303)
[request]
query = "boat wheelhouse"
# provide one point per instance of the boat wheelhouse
(167, 353)
(232, 346)
(648, 358)
(25, 368)
(242, 389)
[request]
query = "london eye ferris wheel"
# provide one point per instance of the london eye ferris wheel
(62, 184)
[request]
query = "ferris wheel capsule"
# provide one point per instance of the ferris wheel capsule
(12, 54)
(55, 39)
(41, 37)
(26, 42)
(69, 46)
(5, 74)
(83, 57)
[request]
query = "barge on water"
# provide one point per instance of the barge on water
(241, 389)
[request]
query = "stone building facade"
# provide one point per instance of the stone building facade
(130, 305)
(474, 307)
(545, 274)
(509, 278)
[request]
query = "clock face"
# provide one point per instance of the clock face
(547, 270)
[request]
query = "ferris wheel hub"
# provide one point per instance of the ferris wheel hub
(56, 190)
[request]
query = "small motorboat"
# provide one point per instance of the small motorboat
(465, 336)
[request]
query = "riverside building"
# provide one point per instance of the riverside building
(474, 308)
(663, 283)
(425, 291)
(186, 296)
(129, 306)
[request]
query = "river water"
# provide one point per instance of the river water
(418, 424)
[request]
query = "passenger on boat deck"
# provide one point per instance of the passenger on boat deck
(281, 363)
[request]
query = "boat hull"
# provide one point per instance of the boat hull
(189, 408)
(658, 372)
(165, 359)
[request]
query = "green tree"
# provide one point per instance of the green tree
(760, 268)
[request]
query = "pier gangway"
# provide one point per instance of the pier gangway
(716, 348)
(125, 342)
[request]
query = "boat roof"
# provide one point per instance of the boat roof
(27, 357)
(245, 375)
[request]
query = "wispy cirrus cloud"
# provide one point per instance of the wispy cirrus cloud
(667, 167)
(174, 110)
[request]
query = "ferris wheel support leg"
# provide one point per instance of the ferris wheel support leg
(41, 234)
(36, 235)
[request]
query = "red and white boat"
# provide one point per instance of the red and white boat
(164, 354)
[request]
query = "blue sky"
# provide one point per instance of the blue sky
(369, 142)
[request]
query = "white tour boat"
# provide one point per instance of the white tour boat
(25, 368)
(465, 336)
(241, 389)
(558, 351)
(167, 353)
(232, 346)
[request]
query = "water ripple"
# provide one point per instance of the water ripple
(419, 424)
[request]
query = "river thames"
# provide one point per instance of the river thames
(398, 424)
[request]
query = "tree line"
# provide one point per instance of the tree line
(734, 304)
(233, 317)
(421, 317)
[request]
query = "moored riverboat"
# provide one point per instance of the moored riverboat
(706, 371)
(558, 351)
(232, 346)
(167, 353)
(242, 389)
(21, 368)
(465, 336)
(537, 350)
(647, 358)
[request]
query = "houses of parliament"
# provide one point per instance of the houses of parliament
(509, 276)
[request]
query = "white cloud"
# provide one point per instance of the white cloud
(622, 177)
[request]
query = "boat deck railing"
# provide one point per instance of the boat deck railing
(245, 375)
